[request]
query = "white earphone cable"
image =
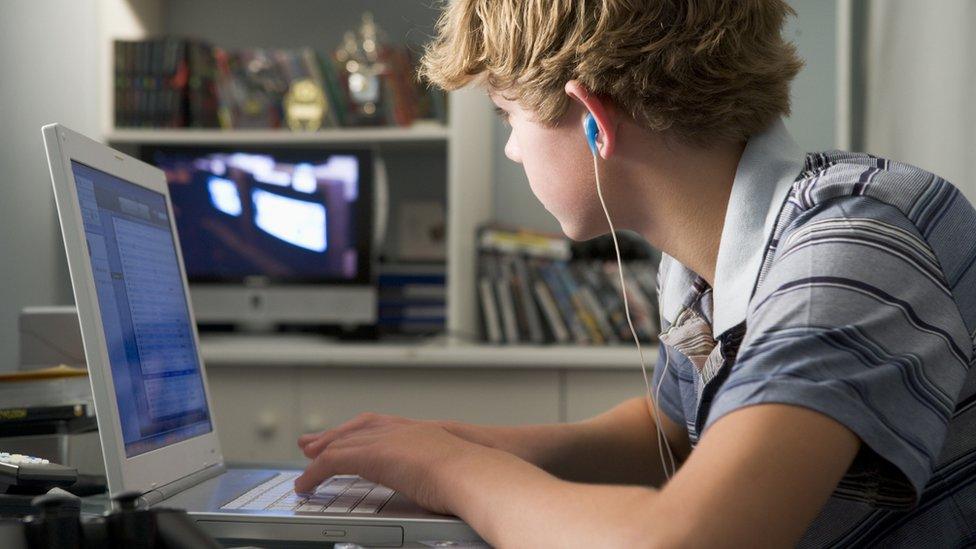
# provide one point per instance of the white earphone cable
(623, 290)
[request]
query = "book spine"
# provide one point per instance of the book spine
(638, 309)
(118, 51)
(506, 301)
(599, 314)
(533, 321)
(646, 275)
(647, 308)
(594, 300)
(582, 311)
(550, 312)
(563, 301)
(610, 298)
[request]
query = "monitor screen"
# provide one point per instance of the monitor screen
(287, 216)
(144, 312)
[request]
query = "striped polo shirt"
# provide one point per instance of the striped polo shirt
(846, 284)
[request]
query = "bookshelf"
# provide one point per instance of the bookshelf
(460, 152)
(267, 389)
(461, 149)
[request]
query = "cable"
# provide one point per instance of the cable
(647, 386)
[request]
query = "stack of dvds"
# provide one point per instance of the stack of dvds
(535, 288)
(412, 299)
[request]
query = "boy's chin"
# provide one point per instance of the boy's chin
(581, 233)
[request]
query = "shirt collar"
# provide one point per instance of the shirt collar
(769, 165)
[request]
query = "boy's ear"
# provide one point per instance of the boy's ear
(602, 113)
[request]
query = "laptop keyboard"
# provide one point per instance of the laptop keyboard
(339, 494)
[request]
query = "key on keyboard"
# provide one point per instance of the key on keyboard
(339, 494)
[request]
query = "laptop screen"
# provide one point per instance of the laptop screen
(145, 315)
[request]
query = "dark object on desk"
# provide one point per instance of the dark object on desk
(51, 426)
(57, 427)
(27, 414)
(17, 503)
(33, 476)
(59, 525)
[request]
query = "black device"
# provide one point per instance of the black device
(58, 525)
(21, 474)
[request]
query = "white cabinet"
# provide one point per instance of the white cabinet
(256, 412)
(591, 392)
(261, 410)
(330, 396)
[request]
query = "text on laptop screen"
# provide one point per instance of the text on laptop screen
(145, 315)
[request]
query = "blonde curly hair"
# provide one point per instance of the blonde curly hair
(707, 70)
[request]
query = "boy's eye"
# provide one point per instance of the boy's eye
(502, 114)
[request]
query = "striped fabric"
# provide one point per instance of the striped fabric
(863, 309)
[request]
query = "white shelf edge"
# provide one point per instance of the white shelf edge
(284, 351)
(426, 132)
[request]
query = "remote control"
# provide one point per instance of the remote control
(20, 473)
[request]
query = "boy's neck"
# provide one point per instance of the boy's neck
(687, 194)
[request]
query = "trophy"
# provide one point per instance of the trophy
(359, 62)
(304, 105)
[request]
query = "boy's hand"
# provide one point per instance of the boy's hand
(412, 457)
(313, 443)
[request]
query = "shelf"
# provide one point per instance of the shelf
(419, 133)
(277, 351)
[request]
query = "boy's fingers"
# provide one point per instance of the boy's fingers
(367, 421)
(314, 443)
(323, 467)
(305, 439)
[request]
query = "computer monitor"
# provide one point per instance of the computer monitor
(274, 235)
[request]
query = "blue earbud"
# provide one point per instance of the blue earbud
(591, 130)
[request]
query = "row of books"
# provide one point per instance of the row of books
(532, 290)
(177, 82)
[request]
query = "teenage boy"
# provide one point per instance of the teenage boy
(818, 310)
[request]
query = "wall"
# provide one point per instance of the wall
(919, 82)
(49, 75)
(813, 122)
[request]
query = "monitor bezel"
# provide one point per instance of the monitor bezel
(164, 465)
(363, 211)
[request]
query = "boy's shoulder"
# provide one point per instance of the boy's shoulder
(919, 194)
(843, 204)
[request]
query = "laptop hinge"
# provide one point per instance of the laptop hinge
(166, 491)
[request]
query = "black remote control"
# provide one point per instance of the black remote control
(27, 474)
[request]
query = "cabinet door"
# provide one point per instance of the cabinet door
(256, 412)
(592, 392)
(331, 396)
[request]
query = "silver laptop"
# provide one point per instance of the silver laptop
(148, 379)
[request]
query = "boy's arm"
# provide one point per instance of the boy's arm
(619, 446)
(759, 477)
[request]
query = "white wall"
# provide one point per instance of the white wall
(918, 101)
(47, 74)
